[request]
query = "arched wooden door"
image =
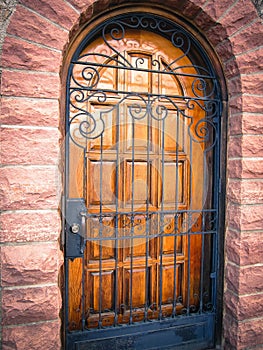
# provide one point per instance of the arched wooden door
(143, 110)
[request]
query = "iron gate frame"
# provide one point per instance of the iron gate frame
(178, 328)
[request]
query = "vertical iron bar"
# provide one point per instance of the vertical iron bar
(132, 223)
(85, 173)
(189, 230)
(203, 213)
(82, 246)
(83, 294)
(100, 235)
(176, 208)
(161, 226)
(202, 264)
(147, 218)
(66, 310)
(116, 289)
(217, 181)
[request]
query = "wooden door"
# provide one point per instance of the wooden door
(138, 158)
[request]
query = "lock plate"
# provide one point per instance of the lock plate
(74, 236)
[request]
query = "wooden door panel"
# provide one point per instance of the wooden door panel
(101, 182)
(75, 269)
(168, 285)
(140, 183)
(139, 80)
(139, 131)
(174, 132)
(107, 128)
(137, 177)
(101, 298)
(174, 179)
(136, 277)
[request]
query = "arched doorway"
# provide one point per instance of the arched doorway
(142, 187)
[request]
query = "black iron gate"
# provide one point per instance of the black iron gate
(142, 188)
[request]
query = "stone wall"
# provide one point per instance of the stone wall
(31, 259)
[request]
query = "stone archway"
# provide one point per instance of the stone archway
(30, 88)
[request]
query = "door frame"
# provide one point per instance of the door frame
(77, 44)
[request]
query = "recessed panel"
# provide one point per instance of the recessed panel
(173, 182)
(138, 128)
(140, 177)
(139, 242)
(101, 182)
(100, 127)
(102, 291)
(134, 285)
(100, 236)
(139, 79)
(171, 239)
(174, 130)
(168, 286)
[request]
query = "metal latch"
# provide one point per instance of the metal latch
(75, 216)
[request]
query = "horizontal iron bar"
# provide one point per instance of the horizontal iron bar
(149, 213)
(137, 69)
(151, 236)
(190, 98)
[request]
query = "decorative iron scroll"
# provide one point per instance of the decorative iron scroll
(87, 70)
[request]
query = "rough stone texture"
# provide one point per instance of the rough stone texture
(26, 111)
(252, 168)
(253, 123)
(242, 248)
(217, 9)
(30, 84)
(252, 146)
(190, 9)
(230, 330)
(34, 337)
(244, 307)
(36, 28)
(252, 104)
(29, 305)
(247, 168)
(235, 124)
(246, 123)
(224, 50)
(31, 226)
(243, 335)
(235, 104)
(80, 4)
(245, 192)
(248, 38)
(250, 62)
(25, 146)
(29, 187)
(251, 332)
(23, 55)
(245, 217)
(216, 34)
(231, 68)
(29, 264)
(241, 14)
(246, 280)
(252, 83)
(57, 11)
(246, 146)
